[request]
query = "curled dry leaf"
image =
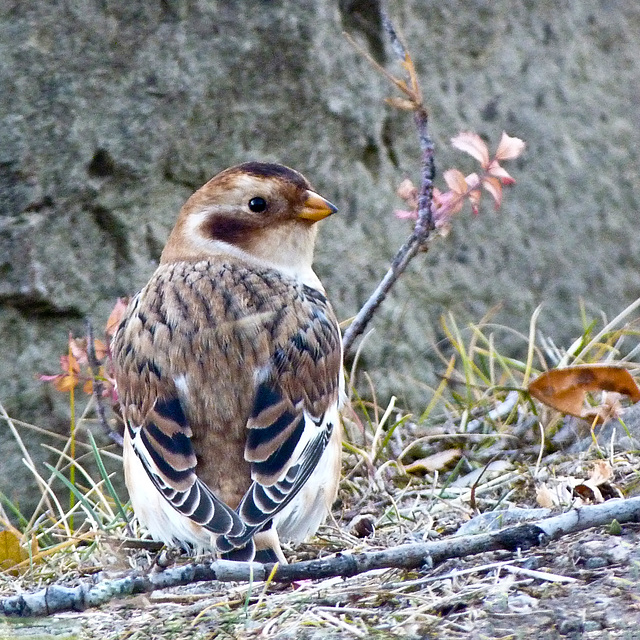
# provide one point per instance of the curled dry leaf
(569, 491)
(566, 389)
(434, 462)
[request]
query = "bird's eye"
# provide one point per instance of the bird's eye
(257, 205)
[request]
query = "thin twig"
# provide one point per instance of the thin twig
(417, 241)
(98, 387)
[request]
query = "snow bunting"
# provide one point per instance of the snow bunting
(229, 372)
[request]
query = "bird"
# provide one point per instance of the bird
(229, 372)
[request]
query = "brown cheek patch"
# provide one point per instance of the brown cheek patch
(231, 230)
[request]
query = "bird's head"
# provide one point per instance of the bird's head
(264, 211)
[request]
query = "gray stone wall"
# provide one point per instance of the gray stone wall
(113, 112)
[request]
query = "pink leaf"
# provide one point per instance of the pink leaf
(509, 148)
(494, 187)
(403, 214)
(474, 199)
(455, 180)
(496, 170)
(472, 144)
(45, 378)
(446, 204)
(472, 181)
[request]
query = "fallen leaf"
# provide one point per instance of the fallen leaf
(588, 493)
(11, 553)
(434, 462)
(544, 497)
(566, 389)
(601, 472)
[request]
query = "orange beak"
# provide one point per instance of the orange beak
(316, 207)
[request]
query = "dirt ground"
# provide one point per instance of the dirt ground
(585, 585)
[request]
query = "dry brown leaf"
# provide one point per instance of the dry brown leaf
(566, 389)
(564, 491)
(434, 462)
(544, 497)
(602, 472)
(11, 553)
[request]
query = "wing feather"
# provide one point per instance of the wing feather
(287, 429)
(164, 447)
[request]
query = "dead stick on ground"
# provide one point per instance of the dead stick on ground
(55, 599)
(418, 239)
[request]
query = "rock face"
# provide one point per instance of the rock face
(112, 113)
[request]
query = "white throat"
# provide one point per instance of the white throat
(290, 253)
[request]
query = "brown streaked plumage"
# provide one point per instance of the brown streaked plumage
(229, 371)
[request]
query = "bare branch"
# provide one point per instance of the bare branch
(417, 241)
(55, 599)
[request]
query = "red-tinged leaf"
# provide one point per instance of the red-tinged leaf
(472, 144)
(509, 148)
(46, 378)
(474, 199)
(494, 187)
(446, 204)
(115, 317)
(497, 171)
(473, 181)
(455, 181)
